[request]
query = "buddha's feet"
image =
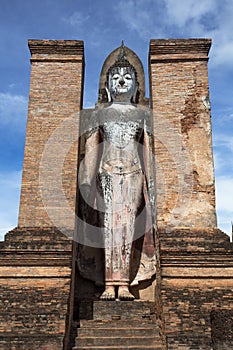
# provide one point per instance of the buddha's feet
(124, 294)
(108, 294)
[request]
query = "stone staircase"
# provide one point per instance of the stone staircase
(120, 325)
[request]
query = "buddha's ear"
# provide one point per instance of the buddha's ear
(108, 93)
(134, 98)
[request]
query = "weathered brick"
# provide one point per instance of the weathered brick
(182, 132)
(36, 267)
(51, 149)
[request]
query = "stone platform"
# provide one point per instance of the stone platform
(118, 325)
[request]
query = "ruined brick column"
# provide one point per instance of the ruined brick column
(182, 131)
(37, 260)
(48, 192)
(195, 269)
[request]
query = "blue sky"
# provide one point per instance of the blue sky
(102, 25)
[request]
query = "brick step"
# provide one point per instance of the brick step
(30, 341)
(119, 341)
(195, 240)
(125, 309)
(203, 248)
(19, 232)
(117, 323)
(129, 347)
(36, 239)
(117, 332)
(193, 262)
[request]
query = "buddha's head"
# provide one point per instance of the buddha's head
(121, 85)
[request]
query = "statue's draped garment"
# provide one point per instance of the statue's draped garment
(117, 167)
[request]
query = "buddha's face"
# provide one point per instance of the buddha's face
(122, 84)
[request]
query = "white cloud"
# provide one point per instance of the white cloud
(182, 18)
(206, 18)
(13, 109)
(82, 22)
(183, 12)
(9, 200)
(223, 155)
(138, 16)
(224, 191)
(164, 17)
(77, 19)
(89, 104)
(224, 202)
(224, 140)
(219, 161)
(223, 50)
(224, 117)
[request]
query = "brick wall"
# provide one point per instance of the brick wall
(196, 278)
(48, 192)
(222, 329)
(182, 132)
(36, 278)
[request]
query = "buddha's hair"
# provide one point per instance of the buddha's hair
(122, 62)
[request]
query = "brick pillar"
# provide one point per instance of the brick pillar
(48, 192)
(182, 132)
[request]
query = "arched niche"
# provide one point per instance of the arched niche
(136, 62)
